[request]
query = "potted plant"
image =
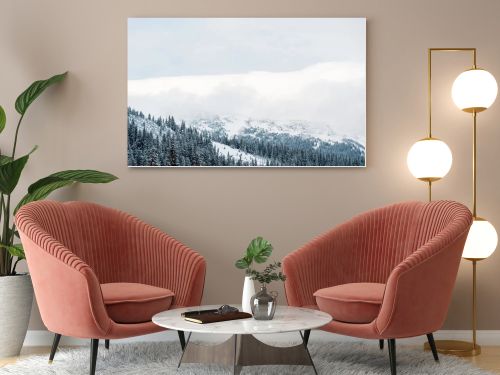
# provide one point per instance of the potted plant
(16, 291)
(258, 250)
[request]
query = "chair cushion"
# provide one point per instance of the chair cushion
(351, 303)
(135, 303)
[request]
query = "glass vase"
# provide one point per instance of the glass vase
(263, 304)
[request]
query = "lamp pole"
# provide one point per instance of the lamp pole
(429, 96)
(454, 347)
(474, 215)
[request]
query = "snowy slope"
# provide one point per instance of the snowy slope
(236, 154)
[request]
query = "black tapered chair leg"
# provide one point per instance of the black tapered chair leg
(381, 344)
(432, 344)
(307, 333)
(182, 339)
(106, 344)
(392, 355)
(94, 346)
(55, 344)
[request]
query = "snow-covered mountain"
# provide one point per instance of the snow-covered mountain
(249, 141)
(233, 126)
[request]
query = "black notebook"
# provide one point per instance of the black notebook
(213, 316)
(205, 318)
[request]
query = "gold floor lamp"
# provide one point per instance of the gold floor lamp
(430, 159)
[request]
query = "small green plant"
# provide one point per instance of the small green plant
(259, 250)
(269, 274)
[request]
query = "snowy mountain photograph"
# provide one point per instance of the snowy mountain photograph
(246, 92)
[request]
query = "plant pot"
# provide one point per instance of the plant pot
(248, 292)
(16, 298)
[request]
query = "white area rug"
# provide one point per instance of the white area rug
(162, 358)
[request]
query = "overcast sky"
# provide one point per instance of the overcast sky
(187, 46)
(283, 69)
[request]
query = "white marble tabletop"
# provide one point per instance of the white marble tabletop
(286, 319)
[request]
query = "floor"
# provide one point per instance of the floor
(488, 360)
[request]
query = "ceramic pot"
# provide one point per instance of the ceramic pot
(248, 292)
(264, 304)
(16, 298)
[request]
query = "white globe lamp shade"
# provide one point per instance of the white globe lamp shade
(481, 241)
(429, 159)
(474, 90)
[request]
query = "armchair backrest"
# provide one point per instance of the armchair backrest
(92, 232)
(386, 236)
(368, 247)
(379, 241)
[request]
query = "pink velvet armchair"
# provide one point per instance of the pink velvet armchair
(99, 273)
(385, 274)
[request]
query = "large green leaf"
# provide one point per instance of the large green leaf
(42, 193)
(29, 95)
(3, 119)
(259, 250)
(86, 176)
(15, 250)
(43, 187)
(10, 172)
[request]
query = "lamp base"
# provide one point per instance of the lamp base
(456, 348)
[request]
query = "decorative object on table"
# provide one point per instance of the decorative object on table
(243, 348)
(258, 250)
(384, 274)
(473, 91)
(246, 295)
(222, 314)
(224, 309)
(68, 265)
(247, 92)
(263, 304)
(16, 292)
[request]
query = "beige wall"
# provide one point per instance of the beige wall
(82, 124)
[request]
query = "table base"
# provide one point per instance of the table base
(246, 350)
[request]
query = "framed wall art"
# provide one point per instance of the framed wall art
(247, 92)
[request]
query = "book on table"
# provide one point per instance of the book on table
(213, 316)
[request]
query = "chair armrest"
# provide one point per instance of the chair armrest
(165, 262)
(419, 289)
(321, 263)
(66, 289)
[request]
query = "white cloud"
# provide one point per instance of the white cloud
(330, 94)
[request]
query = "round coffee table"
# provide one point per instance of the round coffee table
(242, 348)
